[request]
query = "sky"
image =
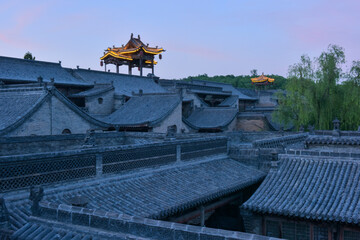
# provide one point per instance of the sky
(221, 37)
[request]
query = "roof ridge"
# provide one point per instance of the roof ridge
(30, 61)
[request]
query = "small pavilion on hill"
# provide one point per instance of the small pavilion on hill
(262, 80)
(134, 54)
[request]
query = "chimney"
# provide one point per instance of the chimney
(40, 79)
(77, 66)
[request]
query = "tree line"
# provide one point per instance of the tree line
(319, 90)
(241, 81)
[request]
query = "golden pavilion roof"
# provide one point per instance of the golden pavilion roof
(262, 79)
(131, 49)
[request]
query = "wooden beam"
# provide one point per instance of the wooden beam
(187, 217)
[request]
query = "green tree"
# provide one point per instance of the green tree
(314, 95)
(29, 56)
(326, 93)
(294, 106)
(253, 73)
(350, 109)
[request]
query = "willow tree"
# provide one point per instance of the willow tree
(312, 95)
(350, 110)
(294, 106)
(325, 97)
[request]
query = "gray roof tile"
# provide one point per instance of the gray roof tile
(162, 193)
(146, 109)
(96, 90)
(211, 117)
(229, 101)
(225, 87)
(19, 103)
(124, 84)
(311, 188)
(15, 105)
(21, 70)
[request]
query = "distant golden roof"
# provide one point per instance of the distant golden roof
(262, 79)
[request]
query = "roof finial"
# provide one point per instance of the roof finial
(131, 35)
(139, 36)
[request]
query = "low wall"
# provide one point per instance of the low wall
(321, 153)
(22, 171)
(141, 227)
(51, 143)
(280, 141)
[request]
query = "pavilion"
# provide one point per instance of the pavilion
(134, 54)
(262, 80)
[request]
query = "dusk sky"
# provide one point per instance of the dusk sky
(213, 37)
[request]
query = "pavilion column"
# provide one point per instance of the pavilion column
(130, 69)
(141, 68)
(117, 68)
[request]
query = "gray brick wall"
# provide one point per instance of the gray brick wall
(106, 107)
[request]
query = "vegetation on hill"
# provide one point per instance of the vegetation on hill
(318, 91)
(242, 81)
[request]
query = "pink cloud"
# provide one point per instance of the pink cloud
(14, 35)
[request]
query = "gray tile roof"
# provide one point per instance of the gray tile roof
(249, 92)
(275, 125)
(124, 84)
(229, 101)
(320, 189)
(16, 105)
(157, 194)
(19, 103)
(96, 90)
(147, 109)
(211, 117)
(225, 87)
(21, 70)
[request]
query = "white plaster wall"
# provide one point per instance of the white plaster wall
(63, 117)
(93, 106)
(192, 96)
(175, 118)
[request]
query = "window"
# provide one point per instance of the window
(100, 100)
(66, 131)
